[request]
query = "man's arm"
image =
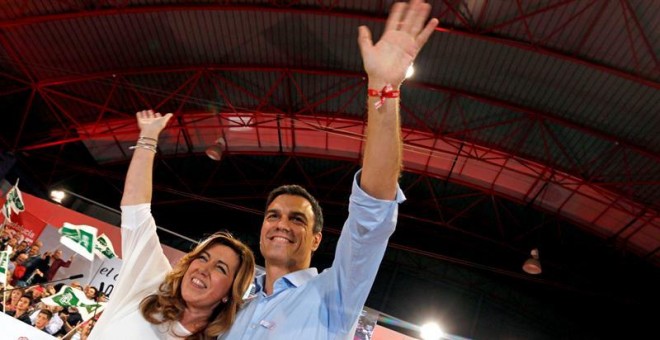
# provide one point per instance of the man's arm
(386, 63)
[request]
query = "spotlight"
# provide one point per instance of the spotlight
(533, 265)
(215, 151)
(431, 331)
(57, 195)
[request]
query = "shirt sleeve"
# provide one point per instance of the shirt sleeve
(359, 252)
(144, 265)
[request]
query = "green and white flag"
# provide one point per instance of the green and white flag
(4, 264)
(6, 211)
(79, 238)
(14, 202)
(72, 297)
(104, 248)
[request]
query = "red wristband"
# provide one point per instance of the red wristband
(386, 92)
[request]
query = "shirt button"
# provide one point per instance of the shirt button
(253, 326)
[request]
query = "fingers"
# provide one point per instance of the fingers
(151, 114)
(395, 17)
(426, 33)
(167, 117)
(415, 17)
(364, 39)
(409, 17)
(145, 114)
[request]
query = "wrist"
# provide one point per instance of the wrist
(149, 134)
(379, 84)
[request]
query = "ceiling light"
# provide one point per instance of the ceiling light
(533, 265)
(215, 151)
(57, 195)
(431, 331)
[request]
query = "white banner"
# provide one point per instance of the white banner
(105, 276)
(13, 329)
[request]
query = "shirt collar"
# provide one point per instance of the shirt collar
(295, 279)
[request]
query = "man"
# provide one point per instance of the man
(54, 323)
(22, 311)
(56, 262)
(22, 248)
(292, 301)
(17, 268)
(42, 319)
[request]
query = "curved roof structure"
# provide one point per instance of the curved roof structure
(527, 124)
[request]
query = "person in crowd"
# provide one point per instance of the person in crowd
(22, 310)
(14, 297)
(55, 322)
(90, 292)
(56, 262)
(292, 300)
(36, 267)
(82, 333)
(101, 297)
(9, 242)
(37, 293)
(42, 319)
(73, 320)
(199, 297)
(19, 269)
(63, 315)
(22, 248)
(76, 285)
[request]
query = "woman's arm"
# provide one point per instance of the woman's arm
(138, 185)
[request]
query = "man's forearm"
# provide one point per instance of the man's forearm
(382, 157)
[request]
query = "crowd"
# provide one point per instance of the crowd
(28, 274)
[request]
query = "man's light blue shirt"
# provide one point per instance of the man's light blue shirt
(307, 305)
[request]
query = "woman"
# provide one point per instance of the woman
(198, 299)
(13, 299)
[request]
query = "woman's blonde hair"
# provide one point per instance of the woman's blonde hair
(168, 305)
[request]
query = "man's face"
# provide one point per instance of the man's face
(20, 259)
(34, 250)
(287, 235)
(57, 254)
(23, 303)
(42, 321)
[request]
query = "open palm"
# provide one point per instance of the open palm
(404, 36)
(152, 123)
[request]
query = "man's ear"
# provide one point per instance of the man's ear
(317, 240)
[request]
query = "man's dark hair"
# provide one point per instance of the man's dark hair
(47, 313)
(297, 190)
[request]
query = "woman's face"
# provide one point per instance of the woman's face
(209, 277)
(15, 295)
